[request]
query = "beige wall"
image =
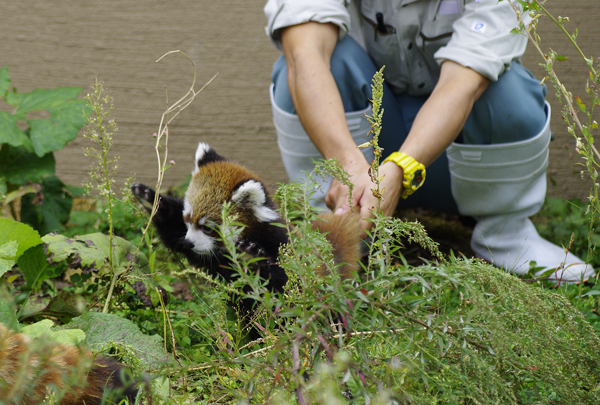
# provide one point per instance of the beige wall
(61, 43)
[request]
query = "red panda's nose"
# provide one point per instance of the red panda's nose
(187, 244)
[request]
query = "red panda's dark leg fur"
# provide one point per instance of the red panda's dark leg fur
(168, 218)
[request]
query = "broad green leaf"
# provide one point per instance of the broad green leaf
(103, 328)
(561, 58)
(123, 251)
(41, 99)
(49, 134)
(75, 190)
(24, 235)
(10, 133)
(54, 209)
(43, 329)
(64, 307)
(91, 252)
(4, 81)
(8, 313)
(36, 304)
(33, 264)
(52, 134)
(37, 329)
(60, 249)
(18, 166)
(8, 253)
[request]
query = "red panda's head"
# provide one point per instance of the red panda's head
(214, 182)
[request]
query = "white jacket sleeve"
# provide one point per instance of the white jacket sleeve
(481, 38)
(285, 13)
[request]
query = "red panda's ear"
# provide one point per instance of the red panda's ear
(205, 154)
(252, 193)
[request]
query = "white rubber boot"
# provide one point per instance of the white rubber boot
(298, 152)
(501, 186)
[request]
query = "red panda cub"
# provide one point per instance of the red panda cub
(186, 226)
(29, 370)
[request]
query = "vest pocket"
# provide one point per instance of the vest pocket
(383, 46)
(434, 35)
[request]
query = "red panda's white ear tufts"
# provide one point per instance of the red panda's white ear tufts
(252, 193)
(205, 154)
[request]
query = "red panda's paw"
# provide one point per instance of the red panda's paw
(145, 195)
(251, 248)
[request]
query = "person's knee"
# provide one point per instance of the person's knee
(510, 110)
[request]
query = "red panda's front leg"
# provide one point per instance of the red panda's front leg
(168, 219)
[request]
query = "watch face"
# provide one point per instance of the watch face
(417, 179)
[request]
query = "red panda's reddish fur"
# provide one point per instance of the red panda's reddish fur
(30, 369)
(343, 232)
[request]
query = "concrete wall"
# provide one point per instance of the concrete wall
(62, 43)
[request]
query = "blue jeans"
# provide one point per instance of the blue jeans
(510, 110)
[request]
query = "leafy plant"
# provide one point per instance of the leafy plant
(568, 222)
(573, 106)
(100, 131)
(451, 331)
(40, 123)
(91, 262)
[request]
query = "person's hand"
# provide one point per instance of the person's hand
(362, 196)
(337, 196)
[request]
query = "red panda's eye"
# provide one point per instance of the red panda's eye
(207, 230)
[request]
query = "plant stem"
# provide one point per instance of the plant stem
(105, 145)
(561, 26)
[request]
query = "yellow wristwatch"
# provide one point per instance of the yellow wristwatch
(414, 172)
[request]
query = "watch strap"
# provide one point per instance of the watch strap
(414, 172)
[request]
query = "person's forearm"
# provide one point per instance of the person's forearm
(445, 112)
(308, 48)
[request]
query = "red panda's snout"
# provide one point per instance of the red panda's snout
(199, 241)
